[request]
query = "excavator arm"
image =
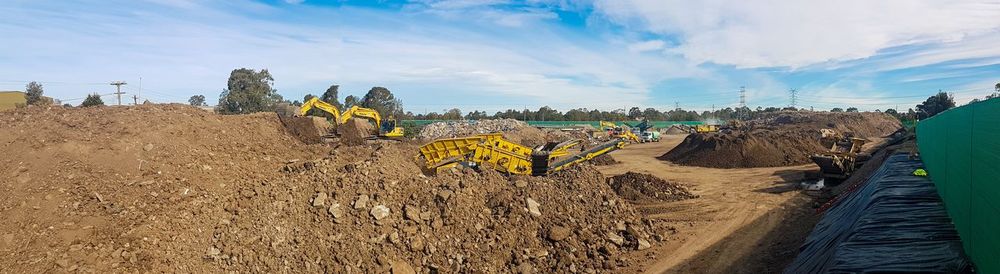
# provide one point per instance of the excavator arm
(315, 102)
(362, 112)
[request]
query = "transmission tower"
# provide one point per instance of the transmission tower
(118, 85)
(741, 113)
(793, 92)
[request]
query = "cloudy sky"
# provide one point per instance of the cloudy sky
(497, 54)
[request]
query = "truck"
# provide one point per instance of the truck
(650, 136)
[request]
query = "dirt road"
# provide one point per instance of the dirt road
(745, 220)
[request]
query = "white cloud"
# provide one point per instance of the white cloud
(799, 33)
(650, 45)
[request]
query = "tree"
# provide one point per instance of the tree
(634, 113)
(92, 100)
(330, 96)
(350, 101)
(891, 112)
(248, 91)
(852, 109)
(837, 110)
(935, 104)
(381, 99)
(453, 114)
(197, 100)
(33, 94)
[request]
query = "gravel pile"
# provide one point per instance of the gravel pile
(451, 129)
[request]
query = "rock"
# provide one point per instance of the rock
(417, 244)
(620, 226)
(524, 268)
(520, 183)
(412, 212)
(147, 147)
(533, 207)
(402, 267)
(320, 199)
(361, 202)
(643, 244)
(212, 253)
(615, 238)
(443, 195)
(62, 263)
(379, 212)
(559, 233)
(337, 212)
(394, 238)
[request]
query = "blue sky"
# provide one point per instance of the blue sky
(496, 54)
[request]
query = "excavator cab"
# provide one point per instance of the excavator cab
(389, 129)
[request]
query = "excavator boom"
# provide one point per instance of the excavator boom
(315, 102)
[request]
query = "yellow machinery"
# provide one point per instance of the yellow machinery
(706, 128)
(389, 129)
(493, 151)
(615, 131)
(842, 159)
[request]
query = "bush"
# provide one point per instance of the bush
(92, 100)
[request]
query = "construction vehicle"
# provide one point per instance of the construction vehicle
(493, 151)
(649, 136)
(607, 125)
(618, 132)
(387, 129)
(842, 159)
(706, 128)
(641, 126)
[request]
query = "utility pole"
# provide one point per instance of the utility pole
(135, 99)
(118, 85)
(793, 92)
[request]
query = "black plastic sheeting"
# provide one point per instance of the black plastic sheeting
(895, 222)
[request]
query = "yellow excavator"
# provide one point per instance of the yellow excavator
(385, 129)
(615, 131)
(493, 151)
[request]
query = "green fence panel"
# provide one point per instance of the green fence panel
(961, 150)
(596, 124)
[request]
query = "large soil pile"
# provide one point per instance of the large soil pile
(641, 187)
(174, 188)
(777, 139)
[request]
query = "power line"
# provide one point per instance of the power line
(793, 92)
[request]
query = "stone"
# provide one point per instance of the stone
(320, 199)
(147, 147)
(337, 212)
(444, 195)
(379, 212)
(361, 202)
(533, 207)
(559, 233)
(643, 244)
(615, 238)
(213, 252)
(520, 183)
(412, 212)
(620, 226)
(402, 267)
(524, 268)
(417, 244)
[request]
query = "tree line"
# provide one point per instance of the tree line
(250, 91)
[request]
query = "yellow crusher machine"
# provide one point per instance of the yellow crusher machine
(493, 151)
(387, 128)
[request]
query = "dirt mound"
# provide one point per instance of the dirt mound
(170, 187)
(122, 189)
(603, 160)
(776, 139)
(355, 131)
(309, 130)
(675, 129)
(641, 187)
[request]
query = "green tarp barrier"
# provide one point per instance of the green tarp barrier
(961, 150)
(595, 124)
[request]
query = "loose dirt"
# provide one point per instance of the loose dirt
(748, 220)
(776, 139)
(355, 131)
(639, 188)
(173, 188)
(604, 160)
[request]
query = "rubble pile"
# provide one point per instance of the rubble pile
(450, 129)
(641, 187)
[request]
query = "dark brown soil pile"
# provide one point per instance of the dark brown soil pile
(777, 139)
(604, 160)
(355, 131)
(158, 188)
(641, 187)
